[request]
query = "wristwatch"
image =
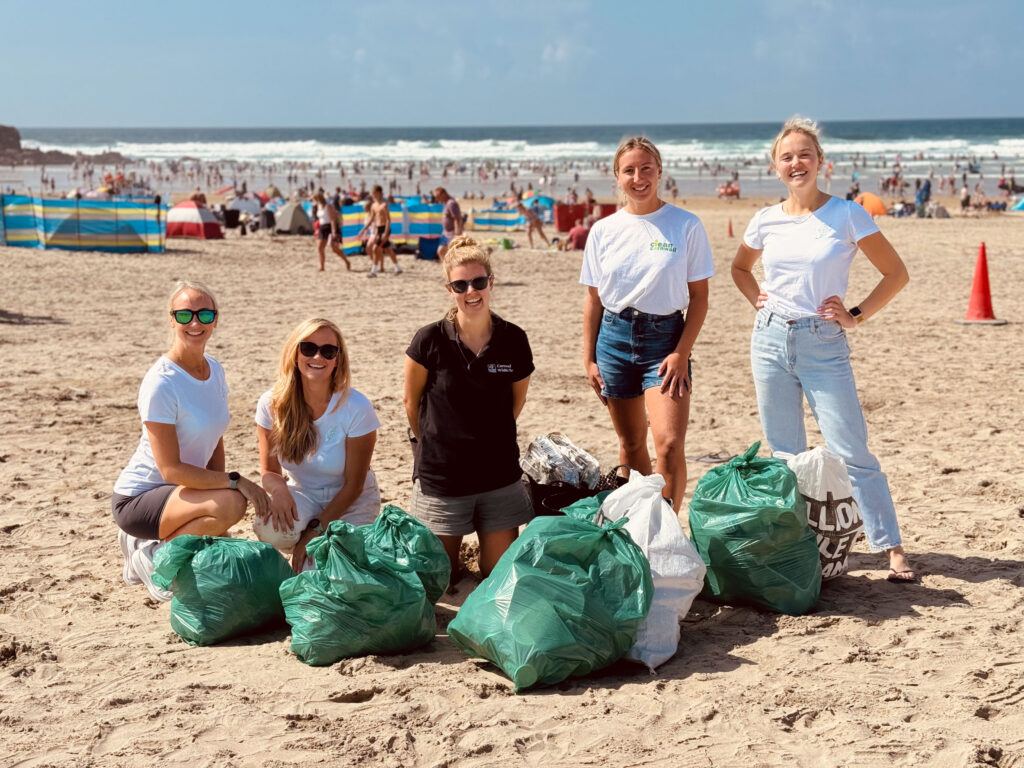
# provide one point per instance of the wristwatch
(857, 314)
(233, 477)
(315, 526)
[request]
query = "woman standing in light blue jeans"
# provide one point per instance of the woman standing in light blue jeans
(798, 347)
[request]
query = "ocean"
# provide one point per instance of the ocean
(697, 156)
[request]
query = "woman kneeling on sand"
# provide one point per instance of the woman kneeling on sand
(466, 377)
(175, 482)
(316, 438)
(798, 348)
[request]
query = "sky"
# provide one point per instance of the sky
(221, 63)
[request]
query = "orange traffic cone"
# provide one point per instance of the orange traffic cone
(730, 227)
(979, 310)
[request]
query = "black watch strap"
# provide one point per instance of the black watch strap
(233, 477)
(316, 526)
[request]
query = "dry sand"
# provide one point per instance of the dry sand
(879, 674)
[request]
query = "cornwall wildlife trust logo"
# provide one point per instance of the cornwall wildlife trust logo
(837, 523)
(658, 245)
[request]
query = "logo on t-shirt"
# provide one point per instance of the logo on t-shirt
(658, 245)
(499, 367)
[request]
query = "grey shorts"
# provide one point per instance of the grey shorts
(139, 516)
(496, 510)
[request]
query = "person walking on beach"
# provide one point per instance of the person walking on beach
(330, 230)
(451, 225)
(378, 226)
(175, 482)
(798, 347)
(316, 439)
(532, 225)
(644, 267)
(466, 377)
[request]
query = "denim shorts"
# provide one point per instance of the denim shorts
(631, 346)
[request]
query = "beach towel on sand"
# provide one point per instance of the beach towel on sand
(222, 587)
(359, 600)
(565, 599)
(749, 523)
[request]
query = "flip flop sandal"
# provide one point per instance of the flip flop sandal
(897, 577)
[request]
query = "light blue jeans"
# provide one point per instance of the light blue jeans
(810, 356)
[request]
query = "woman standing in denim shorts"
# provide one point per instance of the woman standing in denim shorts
(644, 266)
(798, 347)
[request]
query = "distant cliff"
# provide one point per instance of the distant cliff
(11, 153)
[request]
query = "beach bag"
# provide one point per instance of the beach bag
(749, 524)
(676, 567)
(222, 587)
(565, 599)
(359, 600)
(832, 512)
(410, 543)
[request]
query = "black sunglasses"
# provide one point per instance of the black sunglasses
(327, 351)
(184, 316)
(478, 283)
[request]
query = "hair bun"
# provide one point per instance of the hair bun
(463, 241)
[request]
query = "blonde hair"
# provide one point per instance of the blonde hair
(294, 436)
(464, 250)
(635, 142)
(189, 285)
(798, 124)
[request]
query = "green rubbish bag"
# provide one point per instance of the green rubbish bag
(565, 599)
(412, 544)
(749, 523)
(359, 600)
(222, 587)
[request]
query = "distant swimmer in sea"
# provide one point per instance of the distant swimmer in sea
(798, 347)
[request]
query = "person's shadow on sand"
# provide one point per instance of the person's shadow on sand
(17, 318)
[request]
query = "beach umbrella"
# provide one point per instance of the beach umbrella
(247, 204)
(871, 204)
(188, 219)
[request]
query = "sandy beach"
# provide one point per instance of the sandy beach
(878, 674)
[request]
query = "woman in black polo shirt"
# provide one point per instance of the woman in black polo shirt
(465, 384)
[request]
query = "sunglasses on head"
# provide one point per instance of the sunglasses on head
(327, 351)
(478, 283)
(184, 316)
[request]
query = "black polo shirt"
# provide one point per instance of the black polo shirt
(467, 431)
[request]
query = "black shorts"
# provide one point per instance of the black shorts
(325, 231)
(139, 516)
(382, 239)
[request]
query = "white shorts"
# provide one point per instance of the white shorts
(311, 502)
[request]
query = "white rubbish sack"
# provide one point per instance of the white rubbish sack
(824, 482)
(676, 567)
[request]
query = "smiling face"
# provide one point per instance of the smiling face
(638, 176)
(796, 161)
(193, 335)
(473, 302)
(316, 369)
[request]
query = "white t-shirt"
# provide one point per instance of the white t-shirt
(645, 261)
(197, 409)
(354, 417)
(807, 258)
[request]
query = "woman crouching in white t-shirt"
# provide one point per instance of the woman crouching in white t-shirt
(175, 482)
(316, 437)
(644, 266)
(798, 347)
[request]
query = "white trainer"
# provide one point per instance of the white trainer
(142, 563)
(372, 272)
(128, 546)
(398, 269)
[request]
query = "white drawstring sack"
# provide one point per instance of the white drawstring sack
(676, 566)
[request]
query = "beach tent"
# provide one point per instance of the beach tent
(272, 191)
(1019, 206)
(246, 204)
(871, 204)
(187, 219)
(292, 220)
